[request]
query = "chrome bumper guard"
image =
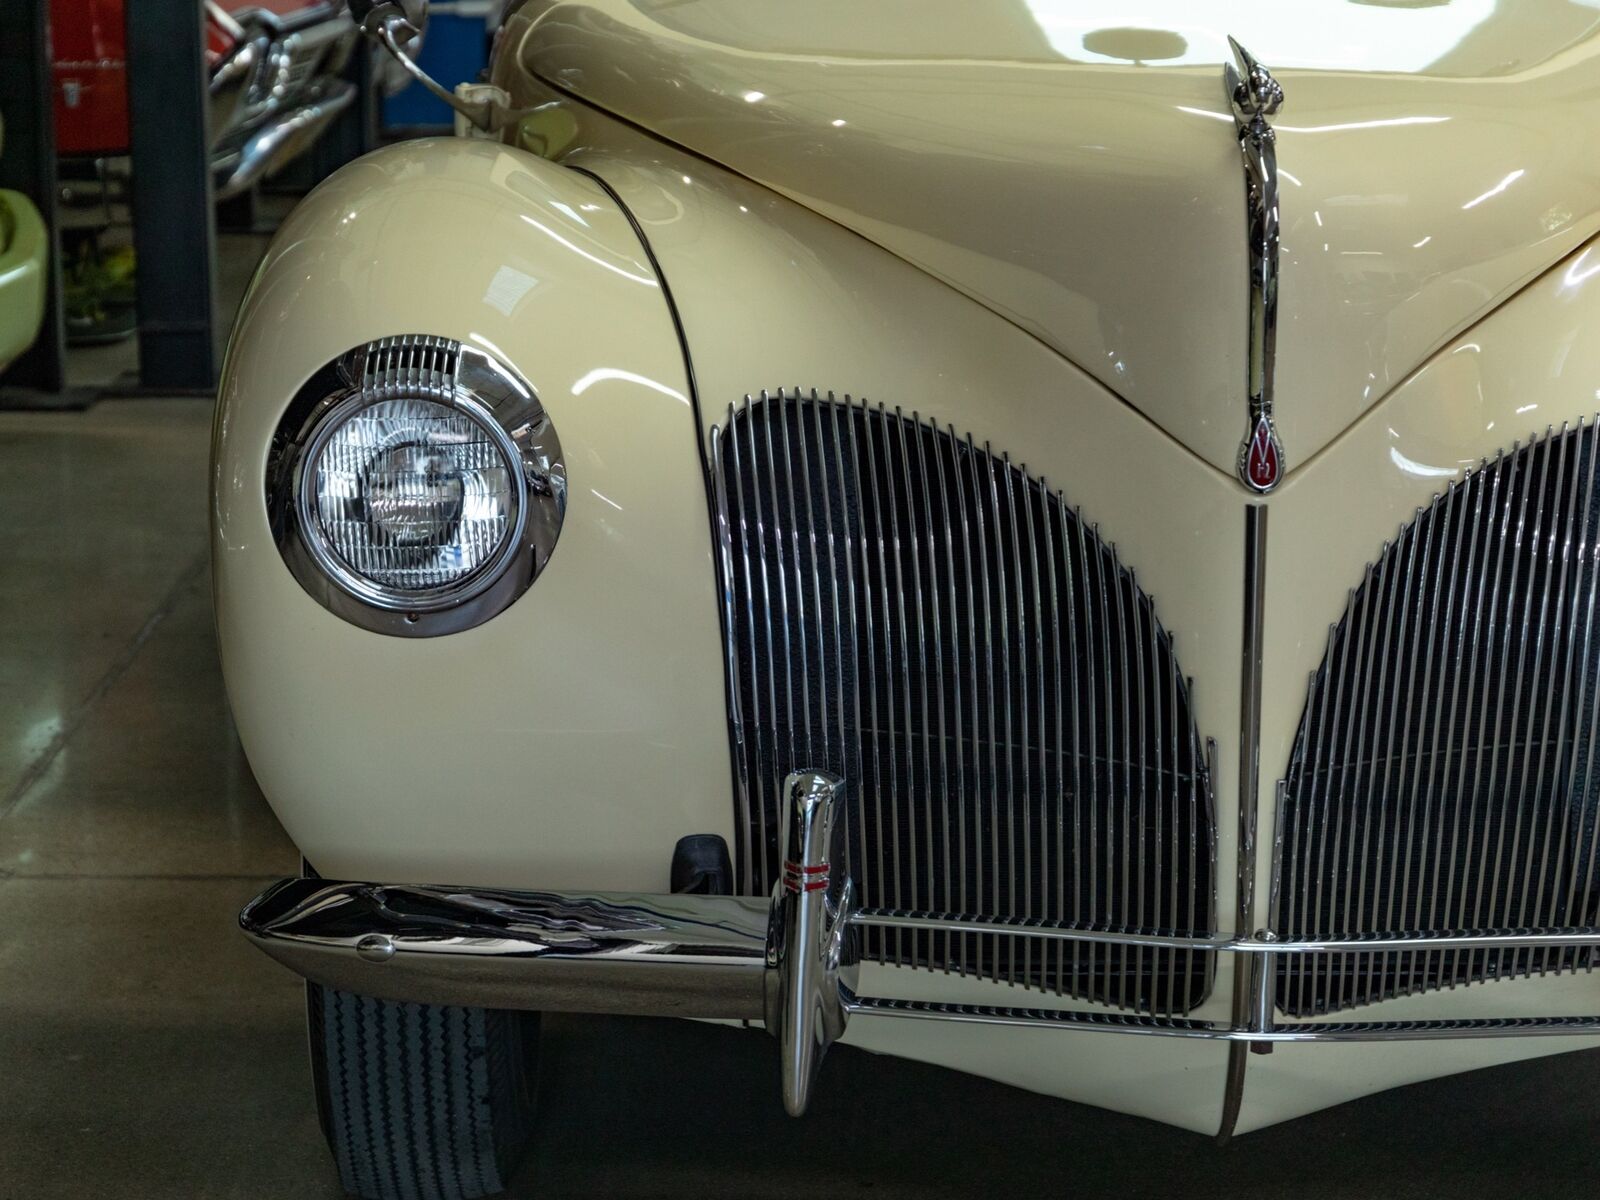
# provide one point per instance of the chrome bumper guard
(790, 963)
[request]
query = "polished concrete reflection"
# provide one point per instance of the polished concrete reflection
(146, 1051)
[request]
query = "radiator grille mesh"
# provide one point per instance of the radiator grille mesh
(1442, 778)
(919, 616)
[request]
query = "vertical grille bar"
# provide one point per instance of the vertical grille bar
(1104, 845)
(1546, 798)
(970, 656)
(943, 785)
(1442, 777)
(919, 615)
(1586, 700)
(742, 867)
(1484, 497)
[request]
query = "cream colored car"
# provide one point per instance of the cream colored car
(1020, 535)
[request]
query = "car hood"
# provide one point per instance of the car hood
(1080, 175)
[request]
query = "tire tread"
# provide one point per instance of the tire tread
(421, 1102)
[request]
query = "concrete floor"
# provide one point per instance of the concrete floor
(145, 1051)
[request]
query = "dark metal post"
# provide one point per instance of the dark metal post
(28, 165)
(174, 226)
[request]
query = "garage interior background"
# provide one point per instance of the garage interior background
(145, 1049)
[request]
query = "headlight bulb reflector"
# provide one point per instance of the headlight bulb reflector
(412, 495)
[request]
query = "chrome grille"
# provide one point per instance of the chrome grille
(919, 616)
(1442, 778)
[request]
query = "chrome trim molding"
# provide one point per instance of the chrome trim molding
(1247, 983)
(1107, 1022)
(1254, 95)
(1265, 945)
(445, 372)
(1261, 952)
(1255, 599)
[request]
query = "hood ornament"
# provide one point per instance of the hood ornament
(1255, 95)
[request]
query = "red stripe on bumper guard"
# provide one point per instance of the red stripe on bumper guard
(798, 878)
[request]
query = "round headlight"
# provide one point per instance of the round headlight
(418, 486)
(408, 499)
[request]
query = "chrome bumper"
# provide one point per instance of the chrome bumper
(790, 963)
(681, 956)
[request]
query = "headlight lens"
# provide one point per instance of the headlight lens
(412, 495)
(416, 486)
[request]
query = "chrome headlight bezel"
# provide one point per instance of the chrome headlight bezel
(446, 373)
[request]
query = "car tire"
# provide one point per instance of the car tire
(418, 1101)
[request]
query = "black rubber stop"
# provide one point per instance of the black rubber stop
(701, 866)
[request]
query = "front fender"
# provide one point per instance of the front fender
(570, 740)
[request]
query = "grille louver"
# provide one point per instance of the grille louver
(919, 616)
(1442, 777)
